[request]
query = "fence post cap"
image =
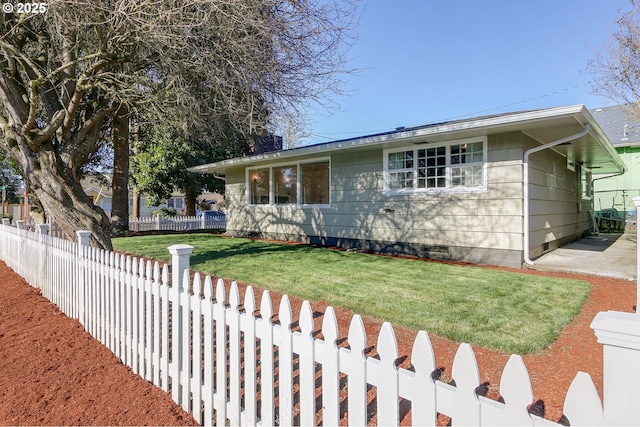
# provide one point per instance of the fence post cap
(618, 329)
(180, 249)
(83, 237)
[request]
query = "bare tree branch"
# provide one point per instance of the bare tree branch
(215, 64)
(616, 68)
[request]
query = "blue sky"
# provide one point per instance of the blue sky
(426, 61)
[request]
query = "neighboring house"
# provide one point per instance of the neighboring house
(100, 193)
(623, 130)
(499, 189)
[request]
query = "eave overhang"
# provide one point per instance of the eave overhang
(593, 151)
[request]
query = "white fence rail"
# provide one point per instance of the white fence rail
(225, 360)
(179, 223)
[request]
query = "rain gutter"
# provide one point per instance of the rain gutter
(527, 153)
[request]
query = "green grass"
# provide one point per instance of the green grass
(506, 311)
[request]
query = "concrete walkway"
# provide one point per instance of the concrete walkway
(611, 255)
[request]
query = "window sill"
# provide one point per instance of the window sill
(435, 191)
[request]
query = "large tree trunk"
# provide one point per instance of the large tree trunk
(51, 165)
(190, 198)
(120, 181)
(64, 199)
(136, 203)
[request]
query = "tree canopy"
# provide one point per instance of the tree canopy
(164, 150)
(65, 72)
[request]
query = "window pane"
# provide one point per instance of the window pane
(399, 180)
(430, 173)
(467, 176)
(401, 160)
(286, 184)
(315, 183)
(259, 187)
(466, 153)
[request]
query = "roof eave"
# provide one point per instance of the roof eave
(580, 112)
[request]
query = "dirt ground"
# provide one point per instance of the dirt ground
(54, 373)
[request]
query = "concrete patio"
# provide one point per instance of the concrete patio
(610, 255)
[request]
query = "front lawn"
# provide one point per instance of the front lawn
(512, 312)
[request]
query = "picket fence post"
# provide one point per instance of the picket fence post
(83, 242)
(179, 265)
(619, 333)
(6, 221)
(83, 237)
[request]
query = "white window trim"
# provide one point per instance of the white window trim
(298, 203)
(387, 190)
(175, 199)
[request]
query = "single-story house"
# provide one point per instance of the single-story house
(623, 130)
(500, 189)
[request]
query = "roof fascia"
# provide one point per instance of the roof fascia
(484, 124)
(603, 141)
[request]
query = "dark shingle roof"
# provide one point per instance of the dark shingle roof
(618, 124)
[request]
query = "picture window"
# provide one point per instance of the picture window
(290, 184)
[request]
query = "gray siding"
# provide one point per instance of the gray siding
(481, 227)
(558, 214)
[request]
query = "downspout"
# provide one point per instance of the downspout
(527, 153)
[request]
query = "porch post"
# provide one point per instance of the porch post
(619, 333)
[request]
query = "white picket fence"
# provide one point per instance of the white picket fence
(178, 223)
(224, 359)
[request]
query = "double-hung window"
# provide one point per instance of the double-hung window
(456, 166)
(290, 184)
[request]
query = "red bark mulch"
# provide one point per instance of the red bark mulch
(53, 373)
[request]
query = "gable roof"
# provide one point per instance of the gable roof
(620, 126)
(593, 150)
